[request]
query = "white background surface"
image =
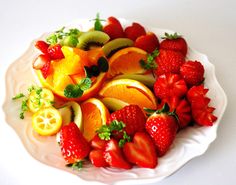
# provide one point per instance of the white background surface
(208, 26)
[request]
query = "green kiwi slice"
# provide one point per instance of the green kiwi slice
(113, 46)
(91, 38)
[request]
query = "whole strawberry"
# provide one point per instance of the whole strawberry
(174, 42)
(133, 118)
(168, 61)
(74, 146)
(192, 72)
(162, 127)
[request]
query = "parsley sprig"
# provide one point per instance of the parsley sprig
(25, 99)
(69, 38)
(106, 131)
(98, 23)
(150, 63)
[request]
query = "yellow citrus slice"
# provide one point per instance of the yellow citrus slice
(95, 114)
(40, 98)
(47, 121)
(127, 61)
(129, 91)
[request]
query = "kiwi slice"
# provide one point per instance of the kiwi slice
(91, 38)
(113, 46)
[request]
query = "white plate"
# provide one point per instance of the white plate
(188, 144)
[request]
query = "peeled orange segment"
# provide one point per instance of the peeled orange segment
(95, 114)
(129, 91)
(127, 61)
(40, 99)
(47, 121)
(94, 54)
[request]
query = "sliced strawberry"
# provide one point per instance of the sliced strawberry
(114, 28)
(169, 85)
(134, 31)
(192, 72)
(74, 146)
(148, 42)
(55, 52)
(182, 109)
(98, 143)
(97, 159)
(40, 61)
(113, 155)
(44, 66)
(141, 151)
(195, 92)
(42, 46)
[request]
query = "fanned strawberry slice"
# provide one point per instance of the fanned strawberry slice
(42, 46)
(141, 151)
(97, 159)
(169, 85)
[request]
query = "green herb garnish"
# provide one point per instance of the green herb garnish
(77, 90)
(106, 131)
(68, 38)
(150, 63)
(97, 24)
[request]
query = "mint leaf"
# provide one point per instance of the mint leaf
(85, 84)
(73, 91)
(97, 24)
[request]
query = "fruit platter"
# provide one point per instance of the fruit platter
(114, 101)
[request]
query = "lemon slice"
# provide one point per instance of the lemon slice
(47, 121)
(40, 98)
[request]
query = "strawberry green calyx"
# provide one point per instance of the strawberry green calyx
(165, 109)
(76, 166)
(171, 36)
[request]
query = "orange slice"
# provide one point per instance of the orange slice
(129, 91)
(95, 114)
(70, 70)
(127, 61)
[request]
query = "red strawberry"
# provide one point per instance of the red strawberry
(162, 127)
(40, 61)
(43, 63)
(174, 42)
(132, 116)
(201, 112)
(97, 159)
(192, 72)
(113, 28)
(134, 31)
(182, 109)
(168, 61)
(98, 143)
(55, 52)
(148, 42)
(169, 85)
(42, 46)
(195, 92)
(74, 146)
(141, 151)
(113, 155)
